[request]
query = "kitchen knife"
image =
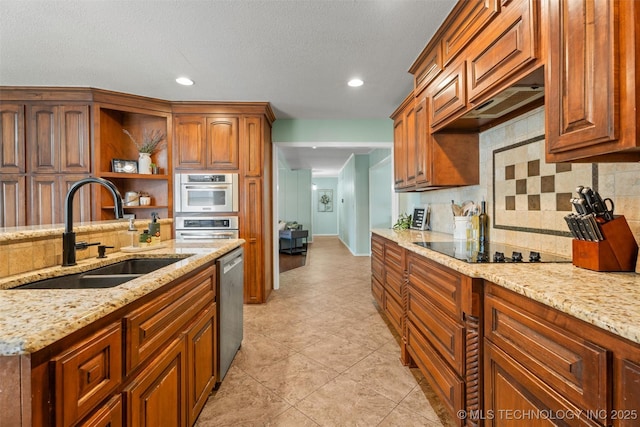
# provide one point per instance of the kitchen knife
(583, 228)
(589, 227)
(585, 203)
(596, 226)
(577, 206)
(573, 227)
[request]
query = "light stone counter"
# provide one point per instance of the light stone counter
(610, 301)
(31, 319)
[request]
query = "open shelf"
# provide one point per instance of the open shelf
(132, 175)
(137, 207)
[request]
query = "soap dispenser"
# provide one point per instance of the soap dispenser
(133, 233)
(154, 229)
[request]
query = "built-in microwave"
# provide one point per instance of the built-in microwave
(206, 193)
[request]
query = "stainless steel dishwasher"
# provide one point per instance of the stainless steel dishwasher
(230, 293)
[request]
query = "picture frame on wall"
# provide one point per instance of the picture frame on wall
(325, 200)
(124, 166)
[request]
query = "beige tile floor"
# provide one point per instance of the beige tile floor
(319, 353)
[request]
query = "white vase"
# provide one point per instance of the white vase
(144, 163)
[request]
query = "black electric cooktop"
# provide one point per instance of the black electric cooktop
(472, 252)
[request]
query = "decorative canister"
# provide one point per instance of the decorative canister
(144, 163)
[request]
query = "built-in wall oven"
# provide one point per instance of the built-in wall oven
(206, 227)
(199, 193)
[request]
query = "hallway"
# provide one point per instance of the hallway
(320, 354)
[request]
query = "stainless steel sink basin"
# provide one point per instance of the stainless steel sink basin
(103, 277)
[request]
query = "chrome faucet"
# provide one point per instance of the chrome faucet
(69, 237)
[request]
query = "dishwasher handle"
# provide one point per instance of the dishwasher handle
(232, 260)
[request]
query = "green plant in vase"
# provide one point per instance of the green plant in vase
(152, 141)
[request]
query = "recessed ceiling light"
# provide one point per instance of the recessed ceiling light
(355, 82)
(185, 81)
(314, 147)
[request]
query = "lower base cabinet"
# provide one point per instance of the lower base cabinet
(152, 363)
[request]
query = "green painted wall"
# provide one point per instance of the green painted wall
(353, 204)
(325, 223)
(362, 130)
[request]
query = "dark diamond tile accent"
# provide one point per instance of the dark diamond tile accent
(521, 186)
(533, 168)
(510, 172)
(563, 167)
(548, 184)
(563, 203)
(534, 202)
(510, 203)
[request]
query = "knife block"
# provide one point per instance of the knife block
(617, 252)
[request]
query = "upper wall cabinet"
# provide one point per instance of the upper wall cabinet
(58, 138)
(207, 142)
(591, 81)
(12, 138)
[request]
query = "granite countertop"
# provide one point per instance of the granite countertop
(610, 301)
(31, 319)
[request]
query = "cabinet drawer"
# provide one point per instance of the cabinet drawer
(87, 373)
(508, 387)
(440, 285)
(394, 283)
(109, 415)
(446, 335)
(377, 267)
(393, 257)
(573, 366)
(378, 291)
(377, 246)
(508, 45)
(444, 381)
(152, 325)
(394, 311)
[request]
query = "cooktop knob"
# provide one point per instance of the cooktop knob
(482, 257)
(498, 257)
(516, 256)
(534, 256)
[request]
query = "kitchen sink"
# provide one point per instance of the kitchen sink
(103, 277)
(134, 266)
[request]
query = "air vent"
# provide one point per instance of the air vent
(505, 102)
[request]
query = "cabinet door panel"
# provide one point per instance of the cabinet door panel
(12, 138)
(81, 200)
(222, 143)
(411, 145)
(43, 137)
(448, 94)
(13, 196)
(470, 18)
(251, 231)
(252, 143)
(423, 148)
(399, 153)
(507, 46)
(583, 104)
(202, 360)
(190, 142)
(74, 138)
(44, 200)
(157, 396)
(378, 291)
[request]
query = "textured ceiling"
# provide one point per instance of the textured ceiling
(296, 54)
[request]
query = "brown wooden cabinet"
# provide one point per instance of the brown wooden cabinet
(207, 142)
(448, 94)
(400, 145)
(444, 331)
(508, 47)
(58, 138)
(539, 359)
(153, 362)
(592, 81)
(388, 282)
(12, 138)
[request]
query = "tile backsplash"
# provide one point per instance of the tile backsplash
(531, 221)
